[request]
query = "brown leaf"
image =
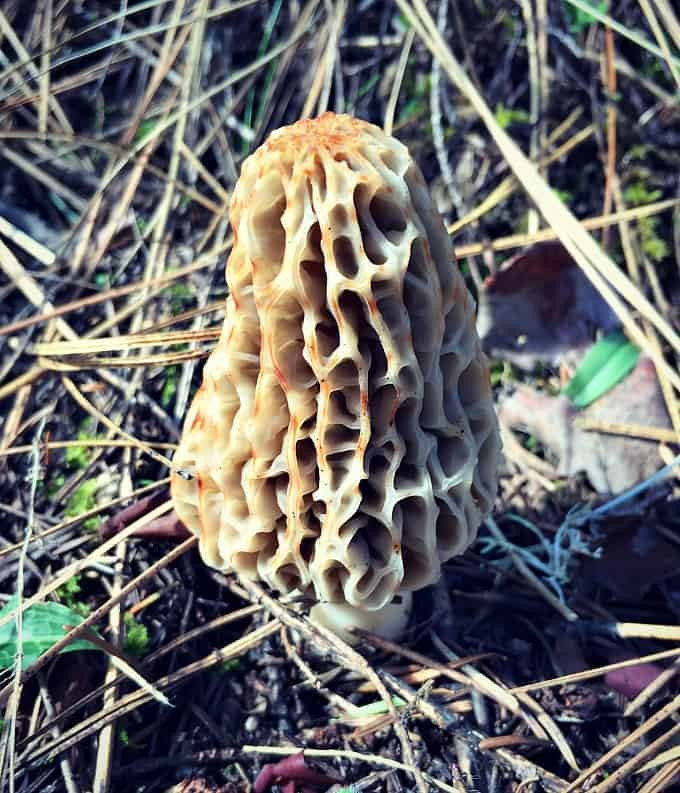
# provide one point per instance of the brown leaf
(631, 680)
(634, 558)
(291, 771)
(612, 463)
(540, 306)
(166, 527)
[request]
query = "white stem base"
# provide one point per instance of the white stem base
(389, 622)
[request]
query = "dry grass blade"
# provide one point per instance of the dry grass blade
(130, 702)
(597, 266)
(15, 273)
(94, 443)
(670, 19)
(657, 30)
(147, 339)
(398, 80)
(630, 766)
(660, 434)
(104, 609)
(32, 247)
(370, 759)
(66, 524)
(622, 30)
(75, 567)
(508, 186)
(663, 713)
(170, 647)
(653, 688)
(592, 224)
(124, 127)
(537, 719)
(324, 638)
(99, 416)
(599, 671)
(662, 779)
(79, 363)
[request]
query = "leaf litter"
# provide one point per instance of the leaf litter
(106, 201)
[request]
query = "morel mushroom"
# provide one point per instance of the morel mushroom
(344, 442)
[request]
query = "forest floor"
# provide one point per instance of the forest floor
(545, 659)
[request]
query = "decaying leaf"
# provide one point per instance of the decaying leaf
(634, 558)
(541, 307)
(631, 680)
(612, 463)
(293, 774)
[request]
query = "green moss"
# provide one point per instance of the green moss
(653, 245)
(82, 500)
(77, 457)
(169, 385)
(67, 594)
(179, 296)
(136, 637)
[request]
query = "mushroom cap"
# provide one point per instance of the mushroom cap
(343, 442)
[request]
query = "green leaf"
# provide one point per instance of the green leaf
(605, 365)
(44, 624)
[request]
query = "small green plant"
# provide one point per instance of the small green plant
(145, 129)
(82, 500)
(77, 457)
(67, 594)
(501, 372)
(232, 665)
(123, 736)
(136, 637)
(416, 89)
(565, 196)
(653, 245)
(43, 625)
(54, 484)
(169, 385)
(179, 296)
(579, 19)
(637, 194)
(506, 116)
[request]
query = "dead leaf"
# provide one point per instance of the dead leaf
(634, 558)
(167, 527)
(541, 307)
(631, 680)
(612, 463)
(291, 772)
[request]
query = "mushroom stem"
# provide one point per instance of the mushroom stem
(389, 622)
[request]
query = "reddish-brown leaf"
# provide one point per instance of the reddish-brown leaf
(291, 772)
